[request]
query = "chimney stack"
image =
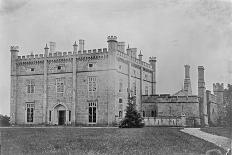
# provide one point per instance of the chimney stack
(75, 47)
(81, 45)
(187, 81)
(202, 97)
(140, 56)
(52, 47)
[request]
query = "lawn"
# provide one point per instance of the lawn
(220, 131)
(149, 140)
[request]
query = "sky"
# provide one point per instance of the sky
(177, 32)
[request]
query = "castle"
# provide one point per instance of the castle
(91, 87)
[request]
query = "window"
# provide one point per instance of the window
(145, 78)
(32, 69)
(69, 116)
(60, 86)
(30, 112)
(59, 67)
(120, 114)
(134, 87)
(134, 72)
(143, 113)
(120, 100)
(120, 86)
(152, 113)
(146, 90)
(50, 115)
(30, 86)
(92, 112)
(90, 65)
(92, 84)
(120, 67)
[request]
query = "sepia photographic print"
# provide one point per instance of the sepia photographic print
(116, 77)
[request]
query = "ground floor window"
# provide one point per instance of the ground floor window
(92, 112)
(69, 116)
(50, 115)
(30, 112)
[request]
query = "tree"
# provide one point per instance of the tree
(132, 119)
(228, 105)
(4, 120)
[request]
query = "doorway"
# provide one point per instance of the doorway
(61, 117)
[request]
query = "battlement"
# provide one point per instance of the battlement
(14, 48)
(218, 87)
(152, 59)
(167, 98)
(134, 60)
(111, 38)
(63, 54)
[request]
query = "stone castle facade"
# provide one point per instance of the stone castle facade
(79, 87)
(91, 87)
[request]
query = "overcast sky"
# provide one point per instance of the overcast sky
(177, 32)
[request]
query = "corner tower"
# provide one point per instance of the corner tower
(112, 43)
(13, 86)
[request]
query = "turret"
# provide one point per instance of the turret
(46, 50)
(121, 46)
(187, 81)
(112, 43)
(202, 97)
(75, 47)
(140, 56)
(218, 90)
(152, 61)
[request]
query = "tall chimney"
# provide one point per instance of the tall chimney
(52, 47)
(75, 47)
(187, 81)
(140, 56)
(202, 97)
(81, 45)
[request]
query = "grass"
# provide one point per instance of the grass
(220, 131)
(149, 140)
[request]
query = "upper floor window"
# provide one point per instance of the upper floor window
(90, 65)
(92, 84)
(120, 100)
(145, 77)
(60, 86)
(134, 87)
(120, 67)
(146, 90)
(32, 69)
(30, 86)
(59, 67)
(120, 86)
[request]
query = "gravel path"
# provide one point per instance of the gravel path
(223, 142)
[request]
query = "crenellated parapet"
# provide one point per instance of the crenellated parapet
(218, 87)
(63, 56)
(167, 98)
(133, 60)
